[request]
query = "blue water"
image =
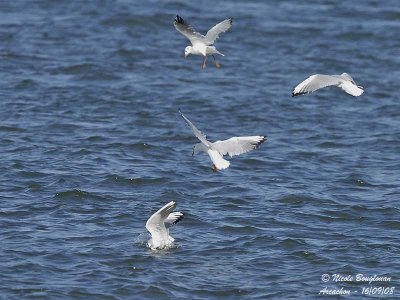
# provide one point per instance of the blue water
(92, 144)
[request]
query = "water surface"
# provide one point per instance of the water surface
(92, 144)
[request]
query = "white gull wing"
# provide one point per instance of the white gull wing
(156, 226)
(214, 32)
(238, 145)
(351, 88)
(219, 162)
(316, 82)
(187, 30)
(174, 218)
(197, 133)
(347, 77)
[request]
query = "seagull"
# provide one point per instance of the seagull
(202, 45)
(318, 81)
(157, 226)
(216, 151)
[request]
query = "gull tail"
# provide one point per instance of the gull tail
(211, 50)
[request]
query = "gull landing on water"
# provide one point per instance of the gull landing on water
(216, 151)
(157, 226)
(202, 45)
(319, 81)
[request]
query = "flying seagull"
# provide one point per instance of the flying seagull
(202, 45)
(216, 151)
(157, 226)
(319, 81)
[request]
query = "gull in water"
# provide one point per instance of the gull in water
(216, 151)
(202, 45)
(158, 226)
(319, 81)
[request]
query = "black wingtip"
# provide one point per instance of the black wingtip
(264, 138)
(179, 219)
(179, 20)
(298, 94)
(179, 109)
(230, 20)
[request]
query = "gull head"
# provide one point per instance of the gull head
(188, 50)
(197, 148)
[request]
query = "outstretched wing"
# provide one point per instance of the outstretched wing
(214, 32)
(196, 132)
(351, 88)
(155, 224)
(238, 145)
(187, 30)
(316, 82)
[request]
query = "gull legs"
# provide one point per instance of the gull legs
(204, 62)
(217, 65)
(214, 168)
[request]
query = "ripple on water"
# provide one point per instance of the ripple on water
(5, 128)
(119, 180)
(79, 194)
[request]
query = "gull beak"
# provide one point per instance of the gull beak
(185, 55)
